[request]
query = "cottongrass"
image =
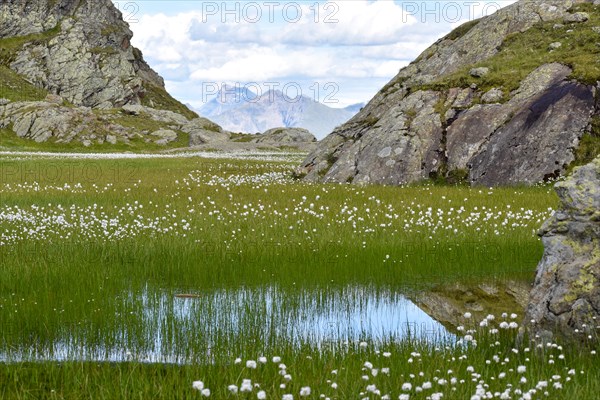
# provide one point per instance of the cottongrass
(496, 367)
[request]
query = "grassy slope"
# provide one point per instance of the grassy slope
(15, 88)
(521, 53)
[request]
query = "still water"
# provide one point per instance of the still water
(154, 326)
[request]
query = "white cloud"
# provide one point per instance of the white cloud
(369, 43)
(261, 64)
(350, 23)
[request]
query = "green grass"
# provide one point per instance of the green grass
(243, 137)
(125, 237)
(523, 52)
(155, 381)
(15, 88)
(462, 30)
(589, 145)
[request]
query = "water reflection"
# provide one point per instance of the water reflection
(228, 322)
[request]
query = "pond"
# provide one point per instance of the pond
(154, 326)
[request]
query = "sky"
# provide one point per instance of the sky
(337, 52)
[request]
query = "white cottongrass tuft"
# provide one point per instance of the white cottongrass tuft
(246, 386)
(233, 389)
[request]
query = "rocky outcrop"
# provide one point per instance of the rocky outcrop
(565, 299)
(420, 126)
(533, 134)
(202, 131)
(286, 136)
(78, 49)
(49, 120)
(99, 88)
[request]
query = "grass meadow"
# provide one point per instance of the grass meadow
(193, 277)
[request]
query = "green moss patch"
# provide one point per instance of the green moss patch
(462, 30)
(589, 145)
(243, 137)
(522, 53)
(9, 47)
(16, 88)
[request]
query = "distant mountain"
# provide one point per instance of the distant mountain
(355, 108)
(241, 110)
(227, 99)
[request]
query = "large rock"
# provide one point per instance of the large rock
(166, 116)
(164, 136)
(537, 140)
(203, 131)
(576, 17)
(84, 53)
(45, 120)
(411, 130)
(40, 121)
(286, 135)
(566, 294)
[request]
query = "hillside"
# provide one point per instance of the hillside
(507, 99)
(70, 76)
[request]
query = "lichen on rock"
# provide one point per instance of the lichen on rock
(565, 299)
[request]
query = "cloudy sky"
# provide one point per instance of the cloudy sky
(336, 52)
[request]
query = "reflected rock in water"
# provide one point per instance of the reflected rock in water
(448, 304)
